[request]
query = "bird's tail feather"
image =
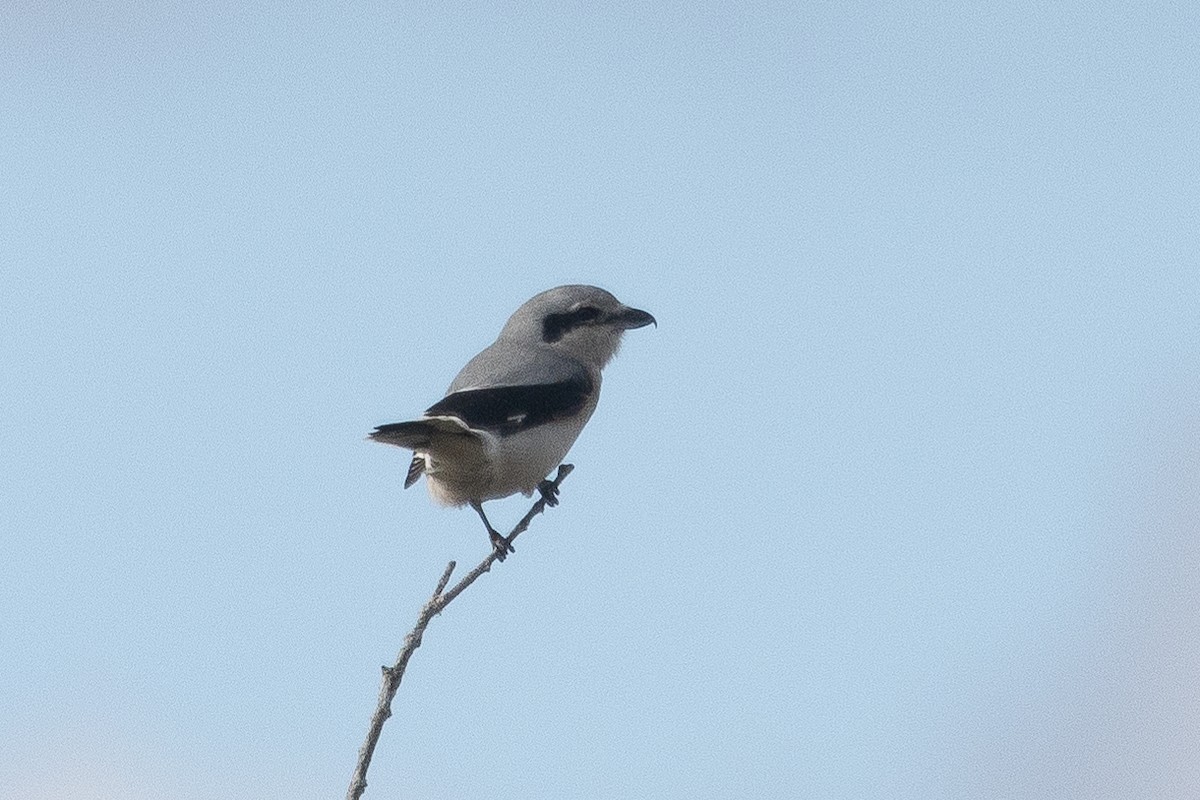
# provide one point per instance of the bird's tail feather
(417, 434)
(413, 435)
(416, 468)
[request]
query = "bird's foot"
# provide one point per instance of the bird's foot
(549, 492)
(501, 545)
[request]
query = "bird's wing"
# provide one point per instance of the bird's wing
(512, 386)
(508, 409)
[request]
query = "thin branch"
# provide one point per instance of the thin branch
(433, 606)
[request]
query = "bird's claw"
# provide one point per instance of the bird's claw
(549, 492)
(500, 545)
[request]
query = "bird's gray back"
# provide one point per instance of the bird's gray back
(509, 363)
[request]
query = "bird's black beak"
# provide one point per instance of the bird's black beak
(631, 318)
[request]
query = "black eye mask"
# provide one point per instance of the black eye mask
(556, 326)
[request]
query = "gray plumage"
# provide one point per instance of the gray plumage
(512, 413)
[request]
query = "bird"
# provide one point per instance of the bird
(514, 411)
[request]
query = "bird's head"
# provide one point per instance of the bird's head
(584, 322)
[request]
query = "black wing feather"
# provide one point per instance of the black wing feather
(507, 409)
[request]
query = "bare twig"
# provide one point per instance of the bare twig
(433, 606)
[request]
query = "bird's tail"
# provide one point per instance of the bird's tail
(419, 435)
(413, 435)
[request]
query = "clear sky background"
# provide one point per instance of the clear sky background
(900, 499)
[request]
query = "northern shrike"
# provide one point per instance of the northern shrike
(514, 410)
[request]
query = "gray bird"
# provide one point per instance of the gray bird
(514, 410)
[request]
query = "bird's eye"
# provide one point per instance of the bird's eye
(555, 326)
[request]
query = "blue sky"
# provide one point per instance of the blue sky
(898, 500)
